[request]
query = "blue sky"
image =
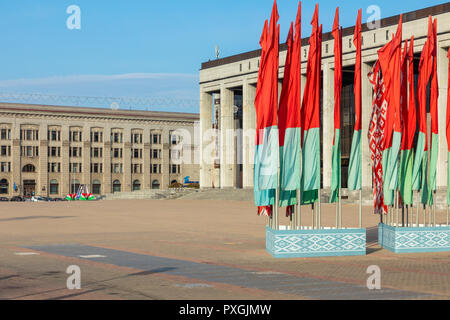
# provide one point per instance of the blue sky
(142, 48)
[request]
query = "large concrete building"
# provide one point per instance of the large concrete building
(50, 151)
(228, 87)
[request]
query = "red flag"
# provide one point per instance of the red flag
(411, 118)
(357, 87)
(434, 84)
(404, 95)
(390, 59)
(337, 35)
(448, 103)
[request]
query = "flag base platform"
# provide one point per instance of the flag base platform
(306, 243)
(414, 240)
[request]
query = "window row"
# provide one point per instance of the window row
(29, 151)
(29, 134)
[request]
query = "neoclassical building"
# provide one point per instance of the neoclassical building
(228, 87)
(51, 151)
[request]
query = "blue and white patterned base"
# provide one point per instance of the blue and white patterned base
(410, 240)
(315, 243)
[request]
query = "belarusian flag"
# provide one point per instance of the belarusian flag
(266, 104)
(448, 131)
(311, 116)
(376, 136)
(390, 60)
(434, 118)
(355, 166)
(289, 119)
(336, 159)
(420, 169)
(409, 126)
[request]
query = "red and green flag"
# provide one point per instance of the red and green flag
(434, 118)
(420, 169)
(409, 124)
(289, 121)
(266, 104)
(448, 130)
(311, 116)
(336, 158)
(390, 61)
(355, 166)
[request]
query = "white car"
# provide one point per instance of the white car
(37, 199)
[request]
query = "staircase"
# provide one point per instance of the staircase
(148, 194)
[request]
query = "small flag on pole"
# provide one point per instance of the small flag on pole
(434, 118)
(311, 116)
(409, 125)
(355, 166)
(266, 104)
(390, 60)
(289, 121)
(448, 131)
(336, 158)
(420, 169)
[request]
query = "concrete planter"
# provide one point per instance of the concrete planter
(410, 240)
(315, 243)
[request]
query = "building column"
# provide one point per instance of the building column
(249, 128)
(106, 184)
(367, 99)
(147, 182)
(16, 164)
(42, 183)
(86, 157)
(227, 141)
(442, 67)
(328, 124)
(165, 167)
(126, 183)
(65, 179)
(206, 140)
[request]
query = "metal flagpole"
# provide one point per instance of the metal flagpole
(337, 208)
(340, 209)
(434, 209)
(299, 212)
(397, 213)
(312, 216)
(360, 208)
(403, 216)
(447, 215)
(319, 213)
(417, 211)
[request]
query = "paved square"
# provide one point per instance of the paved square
(182, 249)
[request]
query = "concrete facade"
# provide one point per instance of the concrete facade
(240, 73)
(51, 150)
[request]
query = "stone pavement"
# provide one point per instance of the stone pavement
(150, 249)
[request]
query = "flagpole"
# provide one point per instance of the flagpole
(312, 216)
(360, 208)
(434, 209)
(319, 213)
(299, 210)
(447, 215)
(337, 208)
(417, 211)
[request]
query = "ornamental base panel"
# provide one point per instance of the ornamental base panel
(411, 240)
(315, 243)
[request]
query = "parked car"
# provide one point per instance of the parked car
(17, 199)
(3, 199)
(60, 199)
(37, 199)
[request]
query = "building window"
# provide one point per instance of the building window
(4, 186)
(54, 187)
(156, 139)
(75, 186)
(54, 152)
(116, 186)
(5, 134)
(75, 168)
(96, 136)
(116, 168)
(5, 151)
(96, 187)
(136, 185)
(117, 137)
(156, 168)
(136, 168)
(155, 184)
(136, 138)
(96, 167)
(5, 167)
(54, 167)
(29, 168)
(137, 153)
(175, 169)
(54, 135)
(117, 153)
(76, 136)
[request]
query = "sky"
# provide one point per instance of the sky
(144, 48)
